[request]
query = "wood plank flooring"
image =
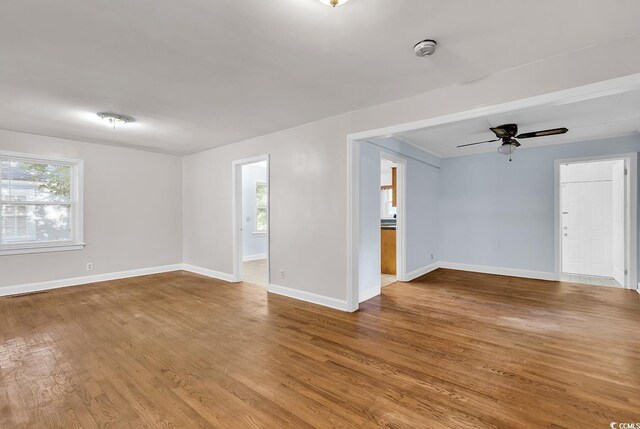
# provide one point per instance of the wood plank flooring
(256, 272)
(450, 350)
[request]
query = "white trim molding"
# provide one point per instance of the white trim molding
(313, 298)
(422, 271)
(42, 248)
(500, 271)
(77, 281)
(207, 272)
(484, 269)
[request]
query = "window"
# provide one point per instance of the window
(40, 205)
(387, 209)
(261, 223)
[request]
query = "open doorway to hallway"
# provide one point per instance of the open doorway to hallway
(594, 222)
(251, 219)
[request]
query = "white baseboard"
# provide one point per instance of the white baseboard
(369, 293)
(313, 298)
(254, 257)
(421, 271)
(207, 272)
(527, 274)
(55, 284)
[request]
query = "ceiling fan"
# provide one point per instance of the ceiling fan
(508, 133)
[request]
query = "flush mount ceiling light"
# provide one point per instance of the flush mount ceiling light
(334, 3)
(115, 120)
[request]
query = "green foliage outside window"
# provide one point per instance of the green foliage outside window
(261, 207)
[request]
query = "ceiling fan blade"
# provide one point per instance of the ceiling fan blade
(471, 144)
(515, 142)
(543, 133)
(505, 131)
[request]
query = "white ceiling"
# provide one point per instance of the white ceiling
(199, 73)
(587, 119)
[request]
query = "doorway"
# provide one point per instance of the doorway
(251, 220)
(388, 221)
(595, 220)
(381, 220)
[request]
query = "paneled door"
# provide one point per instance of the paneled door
(618, 211)
(587, 237)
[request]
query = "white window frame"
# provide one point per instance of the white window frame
(76, 203)
(255, 206)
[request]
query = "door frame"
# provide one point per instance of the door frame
(631, 215)
(401, 218)
(237, 218)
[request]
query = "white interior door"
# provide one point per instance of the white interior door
(587, 238)
(618, 222)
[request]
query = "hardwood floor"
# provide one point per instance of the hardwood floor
(256, 272)
(450, 350)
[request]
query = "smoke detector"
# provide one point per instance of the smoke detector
(425, 47)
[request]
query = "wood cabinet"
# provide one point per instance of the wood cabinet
(388, 253)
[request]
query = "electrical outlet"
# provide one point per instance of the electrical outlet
(89, 266)
(283, 274)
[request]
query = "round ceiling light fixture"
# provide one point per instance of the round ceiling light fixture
(426, 47)
(334, 3)
(507, 148)
(115, 120)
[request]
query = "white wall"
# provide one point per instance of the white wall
(309, 170)
(132, 211)
(308, 206)
(254, 246)
(498, 213)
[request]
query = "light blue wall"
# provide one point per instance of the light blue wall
(501, 214)
(423, 183)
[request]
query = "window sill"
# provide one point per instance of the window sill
(259, 233)
(40, 248)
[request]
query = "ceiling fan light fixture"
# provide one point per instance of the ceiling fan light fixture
(333, 3)
(507, 149)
